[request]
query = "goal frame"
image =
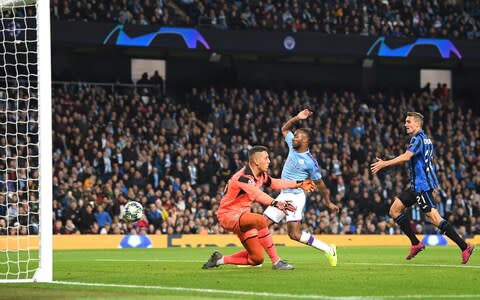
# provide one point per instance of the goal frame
(44, 272)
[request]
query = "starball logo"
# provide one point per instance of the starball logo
(190, 36)
(445, 48)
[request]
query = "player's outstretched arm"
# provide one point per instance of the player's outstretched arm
(256, 194)
(380, 164)
(322, 188)
(281, 184)
(304, 114)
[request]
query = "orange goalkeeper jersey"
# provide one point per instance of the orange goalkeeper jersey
(244, 188)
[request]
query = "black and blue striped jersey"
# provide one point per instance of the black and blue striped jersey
(422, 170)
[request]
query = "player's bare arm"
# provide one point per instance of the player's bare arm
(304, 114)
(380, 164)
(322, 188)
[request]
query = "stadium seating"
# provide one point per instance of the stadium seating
(396, 18)
(175, 153)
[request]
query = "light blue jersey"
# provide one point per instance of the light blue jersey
(299, 166)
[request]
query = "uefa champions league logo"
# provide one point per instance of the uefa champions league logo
(289, 43)
(445, 48)
(14, 29)
(189, 35)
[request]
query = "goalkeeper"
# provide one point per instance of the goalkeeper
(301, 165)
(251, 228)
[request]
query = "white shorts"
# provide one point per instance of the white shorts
(277, 215)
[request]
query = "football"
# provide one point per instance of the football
(133, 211)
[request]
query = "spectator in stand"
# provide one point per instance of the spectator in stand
(144, 79)
(58, 227)
(154, 216)
(70, 227)
(102, 217)
(87, 220)
(158, 83)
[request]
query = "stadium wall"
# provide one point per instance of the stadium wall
(78, 242)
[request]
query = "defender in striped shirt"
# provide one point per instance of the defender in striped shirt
(424, 183)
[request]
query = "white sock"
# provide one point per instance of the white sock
(310, 240)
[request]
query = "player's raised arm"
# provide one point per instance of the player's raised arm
(304, 114)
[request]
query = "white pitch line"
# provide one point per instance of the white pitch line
(260, 294)
(341, 263)
(410, 265)
(150, 260)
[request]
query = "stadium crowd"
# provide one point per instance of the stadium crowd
(175, 154)
(396, 18)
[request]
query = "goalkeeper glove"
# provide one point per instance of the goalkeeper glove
(307, 185)
(284, 206)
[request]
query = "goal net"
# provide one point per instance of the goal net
(25, 142)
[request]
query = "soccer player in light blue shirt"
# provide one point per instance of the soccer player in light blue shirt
(423, 183)
(301, 165)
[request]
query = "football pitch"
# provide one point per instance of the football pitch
(175, 273)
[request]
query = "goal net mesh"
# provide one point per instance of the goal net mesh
(19, 140)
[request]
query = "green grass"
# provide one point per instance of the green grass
(18, 264)
(362, 273)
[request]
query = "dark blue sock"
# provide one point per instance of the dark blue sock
(447, 229)
(404, 224)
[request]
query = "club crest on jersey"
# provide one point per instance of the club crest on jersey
(301, 161)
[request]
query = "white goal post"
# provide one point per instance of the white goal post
(25, 142)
